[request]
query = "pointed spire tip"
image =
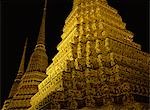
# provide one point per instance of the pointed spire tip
(21, 67)
(45, 4)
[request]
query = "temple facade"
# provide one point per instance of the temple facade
(97, 67)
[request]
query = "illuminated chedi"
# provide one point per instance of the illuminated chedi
(17, 80)
(34, 74)
(98, 65)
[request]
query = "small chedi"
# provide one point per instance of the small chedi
(97, 67)
(26, 82)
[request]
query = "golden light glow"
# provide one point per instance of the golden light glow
(98, 65)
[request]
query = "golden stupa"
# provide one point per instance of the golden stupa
(97, 67)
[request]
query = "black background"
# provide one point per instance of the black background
(22, 18)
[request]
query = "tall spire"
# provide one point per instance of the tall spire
(34, 74)
(39, 60)
(41, 37)
(20, 72)
(22, 63)
(17, 79)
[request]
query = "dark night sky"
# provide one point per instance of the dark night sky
(22, 18)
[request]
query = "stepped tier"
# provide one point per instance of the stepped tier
(98, 65)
